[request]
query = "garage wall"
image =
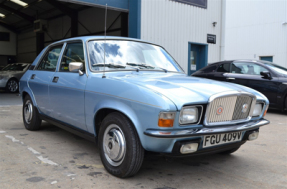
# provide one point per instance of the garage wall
(26, 47)
(91, 21)
(8, 47)
(173, 25)
(255, 28)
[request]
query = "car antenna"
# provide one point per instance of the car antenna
(104, 76)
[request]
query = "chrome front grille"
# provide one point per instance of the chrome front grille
(229, 108)
(238, 110)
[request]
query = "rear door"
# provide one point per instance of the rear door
(67, 89)
(220, 73)
(42, 76)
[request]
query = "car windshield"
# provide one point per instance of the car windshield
(15, 67)
(127, 55)
(277, 68)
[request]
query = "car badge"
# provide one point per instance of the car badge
(219, 110)
(244, 108)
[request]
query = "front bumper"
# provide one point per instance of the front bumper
(180, 133)
(169, 141)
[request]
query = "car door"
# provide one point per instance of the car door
(248, 74)
(67, 89)
(42, 76)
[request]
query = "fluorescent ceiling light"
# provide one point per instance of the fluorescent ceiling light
(19, 2)
(2, 15)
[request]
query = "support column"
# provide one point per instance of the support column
(39, 42)
(74, 25)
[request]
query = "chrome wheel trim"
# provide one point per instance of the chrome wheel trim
(12, 85)
(114, 145)
(28, 111)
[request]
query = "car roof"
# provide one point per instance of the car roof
(243, 60)
(88, 38)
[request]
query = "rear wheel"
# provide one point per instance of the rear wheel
(12, 86)
(120, 148)
(31, 117)
(230, 151)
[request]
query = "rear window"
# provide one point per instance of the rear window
(224, 67)
(209, 69)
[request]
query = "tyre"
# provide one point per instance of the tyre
(30, 113)
(120, 149)
(230, 151)
(12, 86)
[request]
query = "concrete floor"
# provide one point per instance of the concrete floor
(54, 158)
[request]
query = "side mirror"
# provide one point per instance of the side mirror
(265, 74)
(76, 67)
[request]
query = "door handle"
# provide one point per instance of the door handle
(55, 79)
(231, 78)
(33, 76)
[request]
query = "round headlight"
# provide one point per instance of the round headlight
(188, 115)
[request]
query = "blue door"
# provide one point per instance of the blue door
(267, 58)
(197, 57)
(42, 76)
(67, 89)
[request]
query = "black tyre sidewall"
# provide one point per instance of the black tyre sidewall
(7, 89)
(132, 145)
(36, 121)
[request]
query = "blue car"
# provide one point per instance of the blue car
(131, 96)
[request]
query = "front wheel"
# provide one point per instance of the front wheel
(120, 148)
(12, 86)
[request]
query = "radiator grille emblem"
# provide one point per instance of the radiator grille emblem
(219, 110)
(244, 108)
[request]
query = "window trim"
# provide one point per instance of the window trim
(44, 54)
(66, 44)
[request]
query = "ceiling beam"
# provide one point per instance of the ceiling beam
(7, 26)
(16, 12)
(63, 8)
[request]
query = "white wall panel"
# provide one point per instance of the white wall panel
(173, 25)
(254, 28)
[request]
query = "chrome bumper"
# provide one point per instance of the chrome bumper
(179, 133)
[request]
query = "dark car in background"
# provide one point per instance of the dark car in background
(11, 75)
(263, 76)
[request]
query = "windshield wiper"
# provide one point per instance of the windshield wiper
(109, 65)
(145, 66)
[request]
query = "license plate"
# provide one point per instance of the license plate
(217, 139)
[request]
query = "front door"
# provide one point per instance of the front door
(248, 74)
(67, 89)
(197, 57)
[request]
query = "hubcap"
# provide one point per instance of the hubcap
(114, 145)
(28, 111)
(13, 86)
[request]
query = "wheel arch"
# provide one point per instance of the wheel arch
(102, 112)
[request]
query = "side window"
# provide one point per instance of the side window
(224, 67)
(49, 62)
(74, 52)
(209, 69)
(247, 68)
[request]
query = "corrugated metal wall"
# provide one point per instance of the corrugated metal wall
(173, 25)
(255, 28)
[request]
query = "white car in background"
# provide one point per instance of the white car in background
(11, 74)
